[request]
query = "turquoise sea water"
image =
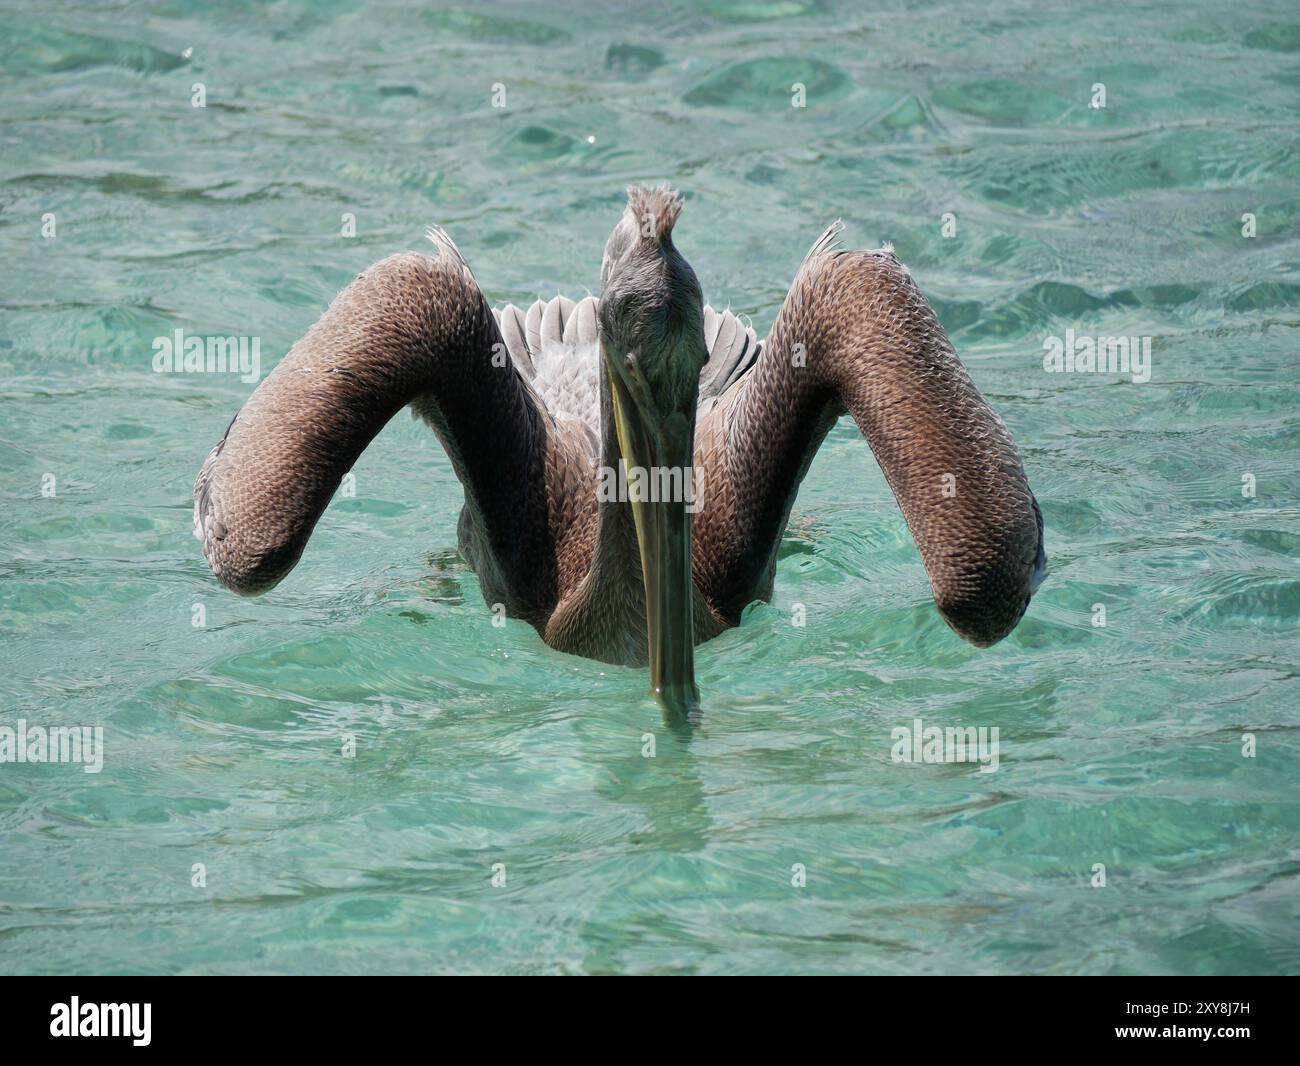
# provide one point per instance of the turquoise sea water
(1120, 745)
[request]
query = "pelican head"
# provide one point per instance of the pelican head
(653, 349)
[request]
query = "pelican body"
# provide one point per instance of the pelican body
(707, 430)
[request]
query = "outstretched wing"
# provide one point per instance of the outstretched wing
(856, 335)
(412, 329)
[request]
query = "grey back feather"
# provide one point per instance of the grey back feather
(555, 345)
(733, 349)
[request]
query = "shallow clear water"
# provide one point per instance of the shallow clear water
(1120, 745)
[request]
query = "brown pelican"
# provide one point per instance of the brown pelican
(536, 409)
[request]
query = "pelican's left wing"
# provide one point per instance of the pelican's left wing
(856, 335)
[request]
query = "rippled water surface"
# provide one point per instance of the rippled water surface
(1121, 745)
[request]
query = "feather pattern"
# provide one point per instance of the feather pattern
(556, 344)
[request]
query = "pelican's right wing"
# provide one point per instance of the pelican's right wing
(412, 329)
